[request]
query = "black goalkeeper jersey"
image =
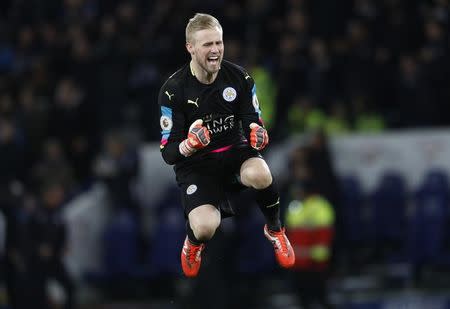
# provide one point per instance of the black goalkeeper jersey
(227, 107)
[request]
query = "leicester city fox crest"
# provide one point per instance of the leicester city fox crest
(229, 94)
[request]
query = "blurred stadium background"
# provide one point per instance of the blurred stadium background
(355, 94)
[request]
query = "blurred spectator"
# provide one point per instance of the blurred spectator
(48, 245)
(26, 49)
(413, 108)
(358, 71)
(17, 207)
(367, 119)
(117, 168)
(53, 164)
(32, 114)
(319, 161)
(290, 79)
(383, 89)
(7, 105)
(320, 73)
(322, 173)
(71, 122)
(338, 121)
(309, 222)
(304, 116)
(435, 71)
(12, 153)
(266, 91)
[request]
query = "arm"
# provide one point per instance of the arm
(176, 144)
(172, 123)
(250, 114)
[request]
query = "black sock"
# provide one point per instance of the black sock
(190, 234)
(268, 201)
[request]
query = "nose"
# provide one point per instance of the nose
(215, 48)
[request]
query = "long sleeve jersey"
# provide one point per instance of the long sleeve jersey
(227, 107)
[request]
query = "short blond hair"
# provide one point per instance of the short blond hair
(201, 21)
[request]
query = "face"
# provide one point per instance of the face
(207, 49)
(54, 196)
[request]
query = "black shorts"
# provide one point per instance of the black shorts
(213, 178)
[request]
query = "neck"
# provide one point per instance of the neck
(201, 75)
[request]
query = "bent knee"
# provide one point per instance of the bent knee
(204, 221)
(256, 178)
(204, 231)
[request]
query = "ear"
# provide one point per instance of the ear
(190, 48)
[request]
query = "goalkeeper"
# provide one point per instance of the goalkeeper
(212, 133)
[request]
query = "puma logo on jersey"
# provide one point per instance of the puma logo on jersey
(169, 95)
(193, 102)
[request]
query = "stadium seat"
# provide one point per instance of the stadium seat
(436, 180)
(166, 242)
(166, 239)
(389, 219)
(121, 245)
(428, 226)
(352, 203)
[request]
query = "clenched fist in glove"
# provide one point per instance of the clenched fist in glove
(258, 136)
(198, 138)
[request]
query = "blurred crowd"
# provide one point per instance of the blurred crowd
(79, 81)
(72, 70)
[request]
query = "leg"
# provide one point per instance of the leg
(256, 174)
(201, 194)
(201, 226)
(203, 222)
(201, 190)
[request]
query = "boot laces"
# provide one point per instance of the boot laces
(193, 252)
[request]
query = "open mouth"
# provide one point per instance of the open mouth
(213, 60)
